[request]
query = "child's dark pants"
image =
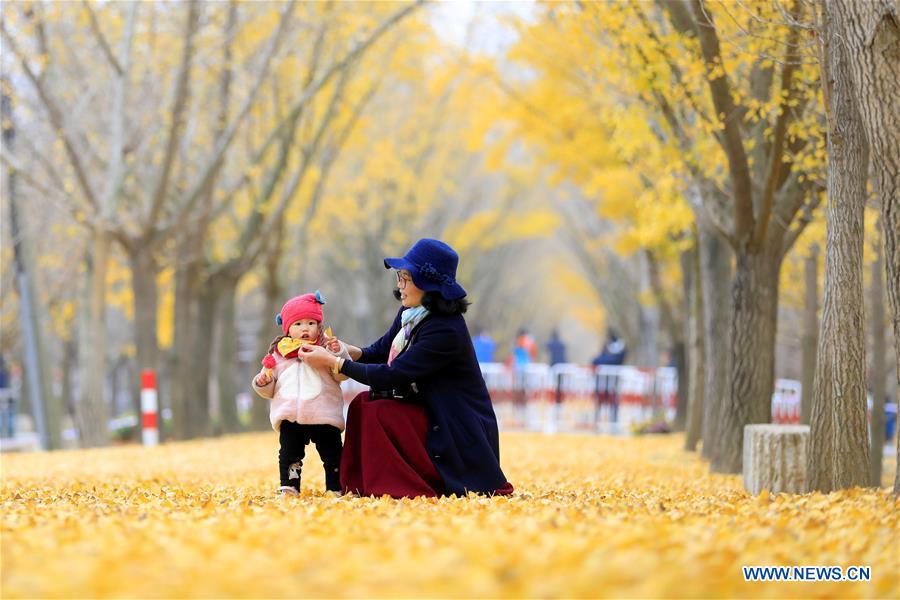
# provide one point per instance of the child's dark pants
(294, 438)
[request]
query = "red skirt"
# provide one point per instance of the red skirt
(385, 453)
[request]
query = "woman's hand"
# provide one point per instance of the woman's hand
(353, 351)
(317, 356)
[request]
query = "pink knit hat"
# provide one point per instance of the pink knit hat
(307, 306)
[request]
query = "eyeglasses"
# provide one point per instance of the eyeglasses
(402, 280)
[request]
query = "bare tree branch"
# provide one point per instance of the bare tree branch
(50, 195)
(337, 67)
(43, 46)
(50, 170)
(665, 309)
(179, 102)
(56, 119)
(673, 67)
(790, 238)
(680, 18)
(116, 173)
(101, 39)
(257, 228)
(209, 169)
(720, 90)
(789, 200)
(310, 91)
(776, 157)
(286, 135)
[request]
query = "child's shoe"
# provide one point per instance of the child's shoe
(286, 490)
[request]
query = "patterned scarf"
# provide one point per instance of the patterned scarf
(289, 347)
(408, 320)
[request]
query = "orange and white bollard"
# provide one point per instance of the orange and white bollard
(149, 409)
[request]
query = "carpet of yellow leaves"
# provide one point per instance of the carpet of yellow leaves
(592, 517)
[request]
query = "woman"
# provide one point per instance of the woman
(427, 427)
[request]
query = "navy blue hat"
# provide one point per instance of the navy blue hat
(432, 265)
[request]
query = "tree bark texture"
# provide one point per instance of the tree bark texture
(93, 412)
(695, 342)
(682, 354)
(226, 363)
(872, 33)
(810, 338)
(715, 283)
(751, 357)
(839, 447)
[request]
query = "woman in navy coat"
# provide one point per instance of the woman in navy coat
(427, 427)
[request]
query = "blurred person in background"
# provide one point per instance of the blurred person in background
(556, 349)
(524, 351)
(485, 346)
(7, 403)
(613, 352)
(606, 385)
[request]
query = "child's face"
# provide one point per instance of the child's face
(305, 329)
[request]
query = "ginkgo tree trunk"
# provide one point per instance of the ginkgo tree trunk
(871, 32)
(694, 337)
(838, 453)
(810, 337)
(714, 283)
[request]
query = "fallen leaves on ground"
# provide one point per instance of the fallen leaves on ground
(592, 516)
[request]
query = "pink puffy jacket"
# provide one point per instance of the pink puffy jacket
(302, 394)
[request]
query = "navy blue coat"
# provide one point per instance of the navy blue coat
(462, 428)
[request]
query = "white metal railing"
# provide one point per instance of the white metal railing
(571, 397)
(574, 397)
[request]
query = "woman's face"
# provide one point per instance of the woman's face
(410, 295)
